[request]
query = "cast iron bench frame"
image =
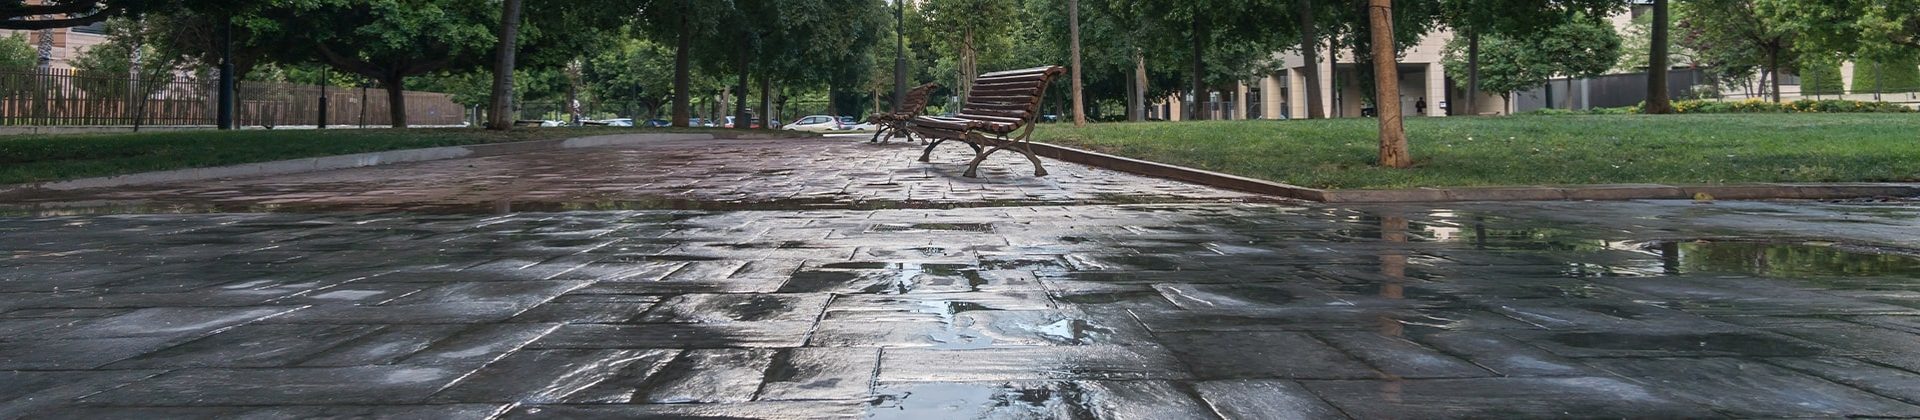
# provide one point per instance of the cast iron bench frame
(999, 105)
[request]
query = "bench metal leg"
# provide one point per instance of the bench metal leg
(927, 156)
(885, 133)
(973, 168)
(1028, 150)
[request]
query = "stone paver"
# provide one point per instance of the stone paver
(1185, 307)
(834, 172)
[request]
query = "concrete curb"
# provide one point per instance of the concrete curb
(1758, 191)
(326, 163)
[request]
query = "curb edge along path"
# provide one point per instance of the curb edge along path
(360, 160)
(1755, 191)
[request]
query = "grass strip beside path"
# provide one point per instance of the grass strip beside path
(37, 158)
(1530, 150)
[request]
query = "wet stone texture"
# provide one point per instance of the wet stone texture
(1164, 310)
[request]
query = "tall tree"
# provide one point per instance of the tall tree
(680, 23)
(1734, 37)
(1574, 48)
(1310, 55)
(1657, 66)
(383, 40)
(1073, 22)
(499, 110)
(1222, 41)
(969, 24)
(1885, 29)
(1476, 20)
(1393, 137)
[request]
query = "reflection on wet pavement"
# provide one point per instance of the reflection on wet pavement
(1184, 310)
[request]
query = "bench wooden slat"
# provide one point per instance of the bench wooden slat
(1042, 69)
(1006, 91)
(1001, 99)
(996, 107)
(1005, 117)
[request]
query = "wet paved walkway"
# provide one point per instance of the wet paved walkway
(1183, 309)
(836, 172)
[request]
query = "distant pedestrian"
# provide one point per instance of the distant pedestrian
(1420, 106)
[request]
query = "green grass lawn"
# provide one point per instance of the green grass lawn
(1531, 150)
(36, 158)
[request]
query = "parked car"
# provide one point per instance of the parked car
(847, 123)
(728, 122)
(699, 122)
(659, 123)
(816, 123)
(618, 122)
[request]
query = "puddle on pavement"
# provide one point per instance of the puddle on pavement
(83, 206)
(1776, 259)
(943, 400)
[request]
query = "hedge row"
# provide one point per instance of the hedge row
(1756, 106)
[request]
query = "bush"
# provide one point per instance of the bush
(1756, 106)
(1901, 75)
(1820, 76)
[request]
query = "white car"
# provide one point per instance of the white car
(816, 123)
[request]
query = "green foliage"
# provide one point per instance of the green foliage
(16, 54)
(1820, 76)
(1530, 150)
(1867, 28)
(1896, 75)
(1637, 41)
(1576, 48)
(107, 70)
(1731, 40)
(1756, 106)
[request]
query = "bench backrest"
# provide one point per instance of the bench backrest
(916, 101)
(1011, 97)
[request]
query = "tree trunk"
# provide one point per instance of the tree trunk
(766, 104)
(967, 69)
(1197, 110)
(1073, 29)
(396, 99)
(1473, 74)
(1773, 67)
(742, 63)
(683, 75)
(1310, 51)
(1657, 100)
(1140, 84)
(501, 106)
(1386, 76)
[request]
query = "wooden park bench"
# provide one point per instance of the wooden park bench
(895, 123)
(1000, 105)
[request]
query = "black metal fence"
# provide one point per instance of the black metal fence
(1609, 91)
(62, 97)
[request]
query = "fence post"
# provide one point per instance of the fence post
(323, 101)
(226, 74)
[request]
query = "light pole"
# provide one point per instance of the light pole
(899, 52)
